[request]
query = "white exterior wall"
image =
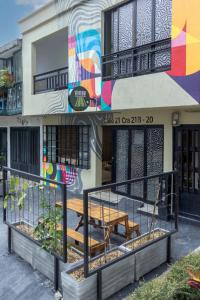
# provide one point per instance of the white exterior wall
(154, 90)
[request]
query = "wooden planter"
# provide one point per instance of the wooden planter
(151, 257)
(114, 278)
(37, 257)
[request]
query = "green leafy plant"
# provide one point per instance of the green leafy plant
(172, 285)
(47, 229)
(16, 193)
(6, 79)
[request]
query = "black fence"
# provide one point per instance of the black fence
(149, 58)
(30, 207)
(51, 81)
(104, 222)
(122, 220)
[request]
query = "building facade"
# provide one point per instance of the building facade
(18, 135)
(114, 87)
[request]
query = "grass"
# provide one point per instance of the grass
(172, 285)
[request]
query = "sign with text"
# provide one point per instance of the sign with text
(79, 99)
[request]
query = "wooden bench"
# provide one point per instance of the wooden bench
(133, 227)
(94, 245)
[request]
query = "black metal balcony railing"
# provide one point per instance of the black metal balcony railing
(149, 58)
(11, 101)
(51, 81)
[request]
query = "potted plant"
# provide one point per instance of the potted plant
(6, 79)
(35, 244)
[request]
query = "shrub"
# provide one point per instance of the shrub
(173, 285)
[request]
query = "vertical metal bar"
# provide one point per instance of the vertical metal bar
(85, 203)
(99, 285)
(169, 249)
(9, 240)
(56, 273)
(64, 202)
(4, 193)
(177, 198)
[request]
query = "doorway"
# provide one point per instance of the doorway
(25, 149)
(187, 163)
(138, 152)
(132, 152)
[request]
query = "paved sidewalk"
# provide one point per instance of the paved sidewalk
(18, 281)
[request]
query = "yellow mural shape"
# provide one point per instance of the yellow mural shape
(186, 14)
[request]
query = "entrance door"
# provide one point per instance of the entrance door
(25, 149)
(187, 162)
(138, 152)
(3, 147)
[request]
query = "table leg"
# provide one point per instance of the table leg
(80, 224)
(127, 233)
(138, 233)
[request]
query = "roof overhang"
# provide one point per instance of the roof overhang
(7, 50)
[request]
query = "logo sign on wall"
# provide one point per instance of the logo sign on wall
(79, 99)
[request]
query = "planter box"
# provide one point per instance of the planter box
(37, 257)
(114, 278)
(150, 257)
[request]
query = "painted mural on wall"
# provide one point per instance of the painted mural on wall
(85, 69)
(85, 65)
(62, 173)
(186, 46)
(72, 176)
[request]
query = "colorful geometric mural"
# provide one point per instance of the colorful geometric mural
(85, 65)
(106, 95)
(186, 46)
(66, 174)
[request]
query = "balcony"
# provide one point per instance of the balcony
(51, 81)
(146, 59)
(11, 100)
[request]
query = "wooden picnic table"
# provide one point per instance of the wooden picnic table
(107, 218)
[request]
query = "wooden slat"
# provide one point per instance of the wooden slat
(77, 236)
(97, 212)
(132, 225)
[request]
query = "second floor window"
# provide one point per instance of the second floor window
(67, 145)
(135, 25)
(139, 22)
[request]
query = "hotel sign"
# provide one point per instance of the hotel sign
(79, 99)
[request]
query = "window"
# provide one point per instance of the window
(144, 28)
(67, 145)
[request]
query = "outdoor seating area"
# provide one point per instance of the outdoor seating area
(86, 235)
(105, 218)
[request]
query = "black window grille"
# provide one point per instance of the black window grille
(67, 144)
(137, 39)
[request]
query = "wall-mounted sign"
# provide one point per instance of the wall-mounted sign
(79, 99)
(114, 119)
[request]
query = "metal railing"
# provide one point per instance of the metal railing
(38, 209)
(149, 58)
(11, 103)
(51, 81)
(29, 203)
(162, 214)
